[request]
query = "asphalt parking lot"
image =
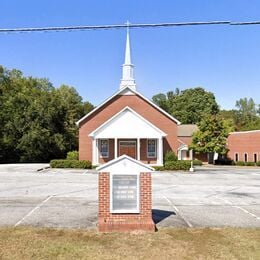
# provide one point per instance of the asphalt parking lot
(210, 197)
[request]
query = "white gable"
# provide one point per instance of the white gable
(124, 165)
(127, 124)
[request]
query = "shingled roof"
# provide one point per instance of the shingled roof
(186, 130)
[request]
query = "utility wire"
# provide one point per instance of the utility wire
(120, 26)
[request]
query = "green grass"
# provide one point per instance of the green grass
(168, 243)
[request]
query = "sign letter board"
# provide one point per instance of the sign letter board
(125, 192)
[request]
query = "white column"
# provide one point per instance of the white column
(191, 155)
(138, 149)
(160, 151)
(191, 162)
(115, 148)
(94, 151)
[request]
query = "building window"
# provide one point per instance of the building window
(236, 157)
(255, 157)
(246, 157)
(104, 148)
(151, 148)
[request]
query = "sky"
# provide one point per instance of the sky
(222, 59)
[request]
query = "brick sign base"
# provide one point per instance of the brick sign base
(110, 222)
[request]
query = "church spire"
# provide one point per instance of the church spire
(128, 67)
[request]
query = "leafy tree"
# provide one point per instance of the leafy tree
(189, 106)
(37, 121)
(211, 136)
(247, 117)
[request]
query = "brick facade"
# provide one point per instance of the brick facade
(108, 222)
(242, 143)
(115, 105)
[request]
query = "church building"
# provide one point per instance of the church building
(128, 123)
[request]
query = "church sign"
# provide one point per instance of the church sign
(125, 196)
(124, 193)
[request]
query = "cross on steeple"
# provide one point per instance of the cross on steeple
(128, 67)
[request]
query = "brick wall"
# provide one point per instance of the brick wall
(114, 106)
(244, 142)
(108, 222)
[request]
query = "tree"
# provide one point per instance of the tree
(188, 106)
(247, 116)
(211, 136)
(37, 120)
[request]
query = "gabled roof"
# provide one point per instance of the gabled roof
(136, 93)
(187, 130)
(246, 132)
(125, 164)
(121, 126)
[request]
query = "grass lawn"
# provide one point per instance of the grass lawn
(168, 243)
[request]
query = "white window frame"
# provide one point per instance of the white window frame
(155, 151)
(235, 157)
(122, 211)
(100, 146)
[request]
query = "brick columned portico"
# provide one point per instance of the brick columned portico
(137, 149)
(127, 127)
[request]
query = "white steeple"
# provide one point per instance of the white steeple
(128, 67)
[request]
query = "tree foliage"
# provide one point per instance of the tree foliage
(245, 117)
(37, 121)
(211, 136)
(188, 106)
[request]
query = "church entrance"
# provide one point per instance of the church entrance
(127, 147)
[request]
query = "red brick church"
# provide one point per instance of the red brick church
(129, 123)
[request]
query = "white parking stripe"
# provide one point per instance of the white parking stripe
(176, 209)
(34, 209)
(238, 207)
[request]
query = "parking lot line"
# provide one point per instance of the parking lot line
(33, 210)
(178, 212)
(238, 207)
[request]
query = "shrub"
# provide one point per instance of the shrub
(197, 162)
(240, 163)
(170, 156)
(250, 164)
(258, 163)
(70, 164)
(159, 168)
(73, 155)
(177, 165)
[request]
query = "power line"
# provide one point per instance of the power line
(120, 26)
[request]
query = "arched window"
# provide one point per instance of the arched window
(255, 157)
(246, 157)
(236, 157)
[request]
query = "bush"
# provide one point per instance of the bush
(197, 162)
(250, 164)
(159, 168)
(70, 164)
(170, 156)
(258, 163)
(240, 163)
(177, 165)
(73, 155)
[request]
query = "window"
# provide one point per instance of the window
(151, 148)
(255, 157)
(236, 157)
(246, 157)
(104, 150)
